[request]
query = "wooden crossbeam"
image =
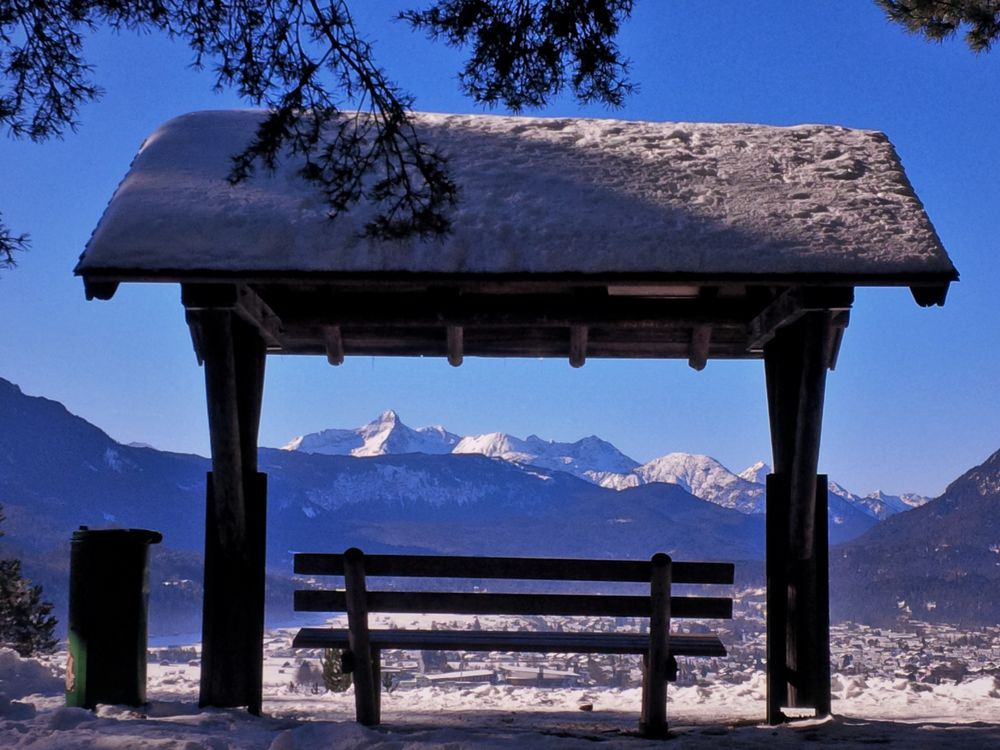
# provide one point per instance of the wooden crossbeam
(239, 298)
(791, 305)
(839, 323)
(417, 310)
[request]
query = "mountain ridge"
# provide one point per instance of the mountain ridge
(57, 472)
(591, 459)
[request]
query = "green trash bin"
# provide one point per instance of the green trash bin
(108, 603)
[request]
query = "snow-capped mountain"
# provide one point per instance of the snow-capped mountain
(596, 461)
(756, 473)
(702, 476)
(383, 436)
(879, 504)
(706, 478)
(590, 458)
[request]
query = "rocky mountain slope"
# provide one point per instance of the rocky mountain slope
(938, 562)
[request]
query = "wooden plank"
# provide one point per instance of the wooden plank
(420, 602)
(527, 568)
(684, 644)
(653, 722)
(577, 346)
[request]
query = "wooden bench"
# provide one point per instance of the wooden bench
(658, 647)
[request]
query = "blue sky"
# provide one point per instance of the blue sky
(914, 400)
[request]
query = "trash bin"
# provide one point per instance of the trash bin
(108, 601)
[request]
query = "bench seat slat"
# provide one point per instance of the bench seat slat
(416, 602)
(501, 640)
(528, 568)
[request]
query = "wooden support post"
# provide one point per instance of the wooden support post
(365, 698)
(653, 722)
(796, 361)
(577, 345)
(456, 345)
(235, 529)
(819, 623)
(815, 333)
(777, 595)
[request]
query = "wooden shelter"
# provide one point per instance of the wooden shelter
(572, 238)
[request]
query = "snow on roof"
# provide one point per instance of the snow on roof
(537, 195)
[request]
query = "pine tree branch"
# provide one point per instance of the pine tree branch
(10, 244)
(937, 20)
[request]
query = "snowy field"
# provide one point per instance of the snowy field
(897, 713)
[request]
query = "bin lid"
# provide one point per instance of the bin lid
(117, 536)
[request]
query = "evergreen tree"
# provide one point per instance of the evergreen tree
(26, 622)
(334, 676)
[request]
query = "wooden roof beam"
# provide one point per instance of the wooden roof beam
(838, 323)
(456, 345)
(334, 345)
(556, 311)
(928, 296)
(701, 339)
(578, 345)
(791, 305)
(239, 298)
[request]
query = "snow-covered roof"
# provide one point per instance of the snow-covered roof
(539, 196)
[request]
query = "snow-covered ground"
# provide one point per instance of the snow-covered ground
(898, 713)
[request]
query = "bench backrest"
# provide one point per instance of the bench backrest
(510, 568)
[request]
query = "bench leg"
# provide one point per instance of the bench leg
(377, 683)
(653, 722)
(365, 698)
(653, 719)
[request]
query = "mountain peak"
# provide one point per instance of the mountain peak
(756, 473)
(384, 435)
